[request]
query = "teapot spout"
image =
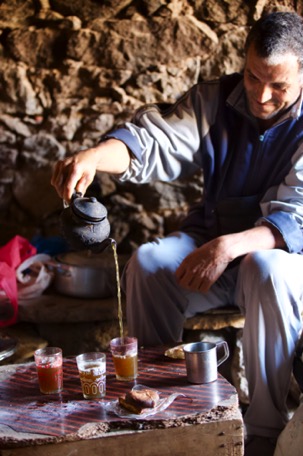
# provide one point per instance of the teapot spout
(101, 246)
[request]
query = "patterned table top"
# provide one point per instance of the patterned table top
(24, 409)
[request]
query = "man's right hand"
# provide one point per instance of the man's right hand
(77, 172)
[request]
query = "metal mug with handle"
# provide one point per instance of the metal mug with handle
(202, 360)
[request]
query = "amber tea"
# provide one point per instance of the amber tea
(125, 357)
(126, 367)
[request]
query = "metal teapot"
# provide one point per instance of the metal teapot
(85, 224)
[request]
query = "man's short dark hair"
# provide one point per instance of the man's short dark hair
(278, 33)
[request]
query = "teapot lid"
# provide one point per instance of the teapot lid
(88, 208)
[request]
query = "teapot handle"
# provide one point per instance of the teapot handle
(74, 195)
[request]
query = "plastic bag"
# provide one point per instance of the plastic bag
(33, 277)
(12, 254)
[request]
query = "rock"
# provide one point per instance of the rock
(259, 7)
(6, 137)
(46, 42)
(36, 203)
(71, 23)
(89, 9)
(153, 6)
(290, 441)
(8, 161)
(20, 91)
(229, 54)
(16, 14)
(107, 184)
(15, 125)
(5, 193)
(126, 202)
(221, 11)
(42, 146)
(101, 124)
(47, 17)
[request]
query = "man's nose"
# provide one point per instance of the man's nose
(263, 93)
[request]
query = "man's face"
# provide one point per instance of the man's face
(272, 85)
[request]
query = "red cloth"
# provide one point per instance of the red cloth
(12, 255)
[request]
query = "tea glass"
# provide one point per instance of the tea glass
(92, 372)
(49, 369)
(125, 357)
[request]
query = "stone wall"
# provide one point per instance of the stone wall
(72, 69)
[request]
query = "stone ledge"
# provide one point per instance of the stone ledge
(76, 338)
(64, 309)
(27, 339)
(216, 319)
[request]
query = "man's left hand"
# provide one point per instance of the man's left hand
(201, 268)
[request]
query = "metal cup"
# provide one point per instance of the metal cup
(202, 361)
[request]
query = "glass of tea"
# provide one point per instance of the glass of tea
(125, 356)
(92, 372)
(49, 369)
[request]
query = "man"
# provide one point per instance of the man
(242, 244)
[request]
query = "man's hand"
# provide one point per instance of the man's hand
(77, 172)
(200, 270)
(74, 173)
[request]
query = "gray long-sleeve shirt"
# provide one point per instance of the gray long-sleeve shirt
(248, 177)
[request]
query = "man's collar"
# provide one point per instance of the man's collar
(296, 108)
(237, 100)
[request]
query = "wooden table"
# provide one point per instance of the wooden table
(203, 419)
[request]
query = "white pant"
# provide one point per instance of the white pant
(267, 286)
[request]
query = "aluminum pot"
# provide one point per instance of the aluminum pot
(84, 274)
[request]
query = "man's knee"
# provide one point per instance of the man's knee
(162, 254)
(144, 262)
(262, 264)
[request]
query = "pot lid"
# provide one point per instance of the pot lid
(86, 258)
(89, 208)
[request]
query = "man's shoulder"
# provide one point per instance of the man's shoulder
(223, 85)
(231, 79)
(217, 91)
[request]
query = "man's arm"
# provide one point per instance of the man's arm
(77, 172)
(200, 270)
